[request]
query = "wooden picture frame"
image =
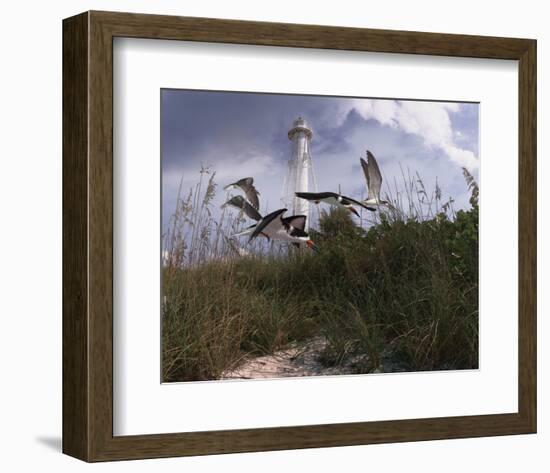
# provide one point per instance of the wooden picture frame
(88, 236)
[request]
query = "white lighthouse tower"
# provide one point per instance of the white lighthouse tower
(300, 176)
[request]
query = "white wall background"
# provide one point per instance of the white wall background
(30, 236)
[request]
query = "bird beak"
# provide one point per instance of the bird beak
(352, 209)
(313, 246)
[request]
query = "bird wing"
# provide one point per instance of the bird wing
(240, 203)
(269, 224)
(316, 196)
(365, 167)
(375, 177)
(247, 185)
(349, 200)
(297, 221)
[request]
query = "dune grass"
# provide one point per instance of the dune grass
(403, 285)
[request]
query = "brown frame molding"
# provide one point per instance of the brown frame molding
(88, 234)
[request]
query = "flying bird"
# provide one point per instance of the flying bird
(240, 202)
(374, 181)
(332, 198)
(247, 186)
(297, 221)
(291, 229)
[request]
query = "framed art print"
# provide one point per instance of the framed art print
(287, 236)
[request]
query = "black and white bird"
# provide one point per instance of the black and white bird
(249, 206)
(290, 230)
(374, 181)
(296, 221)
(332, 198)
(247, 186)
(239, 202)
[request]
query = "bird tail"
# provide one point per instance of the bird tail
(246, 231)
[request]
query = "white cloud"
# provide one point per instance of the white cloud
(429, 120)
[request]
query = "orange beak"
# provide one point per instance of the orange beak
(352, 209)
(312, 246)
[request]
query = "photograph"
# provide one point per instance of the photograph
(275, 236)
(315, 235)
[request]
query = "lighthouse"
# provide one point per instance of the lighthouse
(300, 176)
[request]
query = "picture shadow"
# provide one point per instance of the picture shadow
(52, 442)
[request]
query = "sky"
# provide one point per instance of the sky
(245, 134)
